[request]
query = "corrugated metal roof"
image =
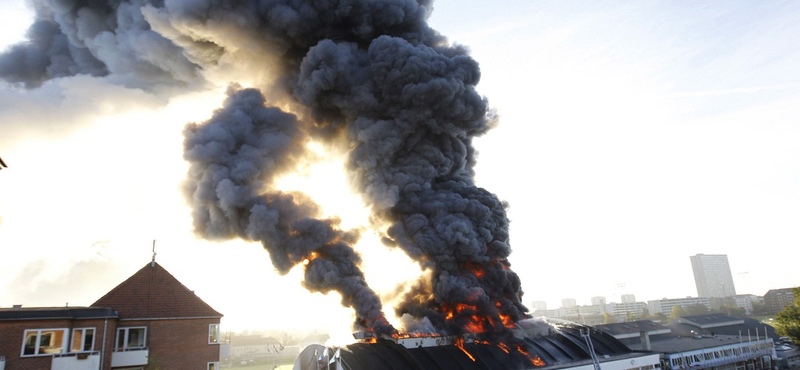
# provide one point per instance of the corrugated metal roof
(561, 347)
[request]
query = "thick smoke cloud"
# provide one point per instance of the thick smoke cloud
(367, 75)
(234, 158)
(98, 38)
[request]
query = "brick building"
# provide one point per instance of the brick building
(776, 299)
(149, 321)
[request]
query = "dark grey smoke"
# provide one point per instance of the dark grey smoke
(234, 158)
(98, 38)
(369, 75)
(47, 54)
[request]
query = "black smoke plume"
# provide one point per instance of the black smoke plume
(234, 158)
(368, 75)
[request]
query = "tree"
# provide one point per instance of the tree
(759, 308)
(732, 310)
(696, 309)
(788, 320)
(608, 318)
(678, 312)
(645, 314)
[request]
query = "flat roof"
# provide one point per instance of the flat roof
(685, 344)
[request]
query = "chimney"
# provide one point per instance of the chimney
(645, 338)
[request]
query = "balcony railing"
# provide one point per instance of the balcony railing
(130, 357)
(76, 361)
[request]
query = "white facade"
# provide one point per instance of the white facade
(665, 305)
(624, 309)
(628, 298)
(756, 355)
(712, 276)
(646, 362)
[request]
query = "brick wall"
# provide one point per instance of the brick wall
(12, 336)
(178, 344)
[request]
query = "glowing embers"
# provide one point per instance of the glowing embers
(310, 258)
(460, 344)
(533, 358)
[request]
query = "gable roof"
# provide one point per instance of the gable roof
(153, 293)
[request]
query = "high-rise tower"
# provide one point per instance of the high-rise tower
(712, 275)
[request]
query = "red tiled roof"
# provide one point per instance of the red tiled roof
(152, 292)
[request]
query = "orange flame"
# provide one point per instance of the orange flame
(507, 322)
(310, 258)
(503, 346)
(460, 345)
(535, 360)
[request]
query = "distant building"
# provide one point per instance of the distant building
(598, 301)
(628, 298)
(665, 305)
(711, 341)
(255, 349)
(554, 313)
(624, 310)
(538, 306)
(745, 301)
(776, 299)
(712, 276)
(568, 303)
(149, 321)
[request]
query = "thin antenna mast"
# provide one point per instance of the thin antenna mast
(153, 262)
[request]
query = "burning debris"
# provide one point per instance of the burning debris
(367, 75)
(513, 344)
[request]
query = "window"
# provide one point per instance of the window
(131, 338)
(82, 340)
(213, 334)
(44, 342)
(213, 366)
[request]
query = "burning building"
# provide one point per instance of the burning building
(538, 346)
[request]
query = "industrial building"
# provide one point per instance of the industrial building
(712, 341)
(536, 345)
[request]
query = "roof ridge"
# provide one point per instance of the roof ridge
(155, 292)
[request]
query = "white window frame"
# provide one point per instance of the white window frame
(213, 329)
(213, 365)
(38, 344)
(82, 340)
(125, 332)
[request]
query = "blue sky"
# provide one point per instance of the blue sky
(631, 136)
